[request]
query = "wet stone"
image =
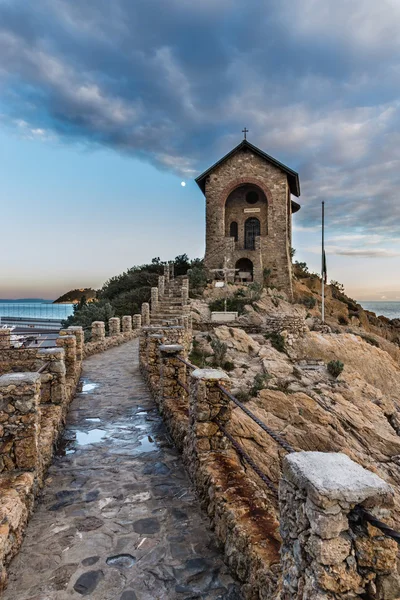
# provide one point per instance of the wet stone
(87, 583)
(179, 515)
(157, 468)
(89, 524)
(62, 576)
(123, 561)
(146, 526)
(90, 560)
(128, 595)
(92, 496)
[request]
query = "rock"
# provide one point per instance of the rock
(87, 582)
(147, 526)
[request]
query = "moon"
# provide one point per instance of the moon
(183, 183)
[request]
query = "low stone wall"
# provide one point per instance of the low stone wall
(33, 409)
(325, 554)
(290, 326)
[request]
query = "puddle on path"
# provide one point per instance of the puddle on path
(88, 387)
(147, 444)
(89, 437)
(125, 561)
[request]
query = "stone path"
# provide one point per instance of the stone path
(118, 518)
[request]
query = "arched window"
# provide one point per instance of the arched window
(233, 230)
(251, 231)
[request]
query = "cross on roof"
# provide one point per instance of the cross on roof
(245, 131)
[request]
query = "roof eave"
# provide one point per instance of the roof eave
(293, 177)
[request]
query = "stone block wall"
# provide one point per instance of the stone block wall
(325, 553)
(33, 408)
(291, 327)
(20, 422)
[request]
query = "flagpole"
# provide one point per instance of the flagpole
(323, 263)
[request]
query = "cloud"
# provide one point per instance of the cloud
(174, 82)
(355, 252)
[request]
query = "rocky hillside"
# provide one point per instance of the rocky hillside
(284, 379)
(75, 296)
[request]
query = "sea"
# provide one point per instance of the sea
(41, 309)
(35, 309)
(389, 309)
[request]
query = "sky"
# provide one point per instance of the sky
(106, 107)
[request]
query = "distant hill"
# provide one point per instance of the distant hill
(76, 296)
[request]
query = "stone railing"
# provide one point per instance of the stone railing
(36, 387)
(326, 553)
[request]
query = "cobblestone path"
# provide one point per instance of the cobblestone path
(118, 518)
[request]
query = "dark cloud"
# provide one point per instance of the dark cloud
(174, 81)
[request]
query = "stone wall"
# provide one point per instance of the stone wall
(36, 387)
(325, 554)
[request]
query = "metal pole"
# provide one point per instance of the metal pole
(225, 282)
(323, 264)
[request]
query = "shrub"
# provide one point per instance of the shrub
(197, 356)
(309, 301)
(254, 292)
(228, 366)
(198, 277)
(220, 349)
(234, 304)
(84, 315)
(277, 341)
(259, 383)
(369, 340)
(335, 367)
(342, 320)
(266, 276)
(243, 395)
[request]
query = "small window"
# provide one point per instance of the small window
(233, 230)
(251, 197)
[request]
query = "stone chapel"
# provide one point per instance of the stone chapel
(249, 215)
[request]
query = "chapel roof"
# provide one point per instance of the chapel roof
(293, 177)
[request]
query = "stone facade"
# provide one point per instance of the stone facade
(227, 201)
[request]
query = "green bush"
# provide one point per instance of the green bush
(234, 304)
(369, 340)
(197, 356)
(259, 383)
(335, 367)
(267, 276)
(85, 314)
(228, 366)
(309, 301)
(243, 395)
(198, 278)
(277, 341)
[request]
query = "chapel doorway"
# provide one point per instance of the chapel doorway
(244, 270)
